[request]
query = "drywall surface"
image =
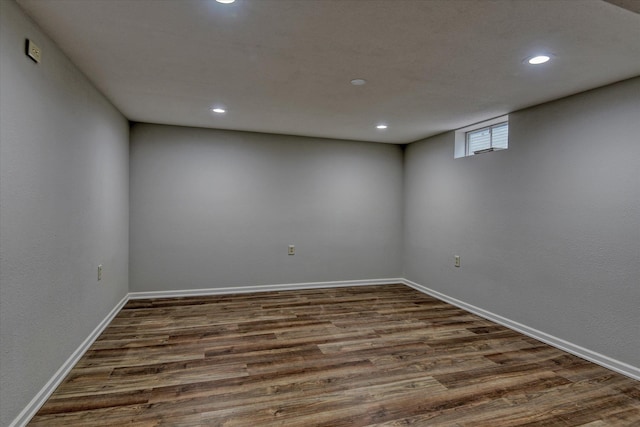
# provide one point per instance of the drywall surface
(63, 210)
(549, 230)
(213, 208)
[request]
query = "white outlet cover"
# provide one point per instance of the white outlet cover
(33, 51)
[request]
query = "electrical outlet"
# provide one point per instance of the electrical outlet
(457, 261)
(292, 250)
(33, 51)
(100, 272)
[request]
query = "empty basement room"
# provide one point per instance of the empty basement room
(319, 213)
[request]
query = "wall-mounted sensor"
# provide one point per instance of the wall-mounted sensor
(34, 51)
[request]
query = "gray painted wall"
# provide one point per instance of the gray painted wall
(63, 210)
(549, 230)
(213, 208)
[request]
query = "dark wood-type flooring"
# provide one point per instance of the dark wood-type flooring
(356, 356)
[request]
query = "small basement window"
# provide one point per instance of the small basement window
(491, 138)
(484, 137)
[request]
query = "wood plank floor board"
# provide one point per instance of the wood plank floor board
(304, 394)
(355, 356)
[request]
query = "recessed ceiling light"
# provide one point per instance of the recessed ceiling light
(225, 1)
(219, 110)
(537, 60)
(381, 126)
(358, 82)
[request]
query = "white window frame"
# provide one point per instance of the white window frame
(491, 139)
(461, 146)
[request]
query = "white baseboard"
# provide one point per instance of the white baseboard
(36, 403)
(585, 353)
(260, 288)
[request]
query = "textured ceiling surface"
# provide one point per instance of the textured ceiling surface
(284, 66)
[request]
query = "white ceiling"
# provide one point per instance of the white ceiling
(284, 66)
